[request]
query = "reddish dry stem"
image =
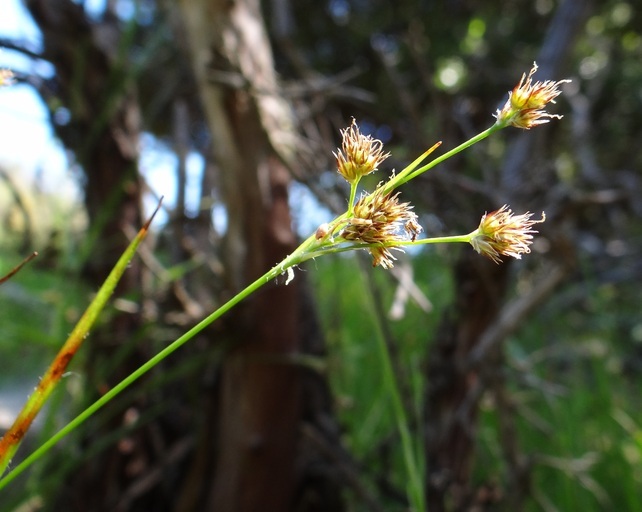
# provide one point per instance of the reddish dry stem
(145, 227)
(58, 367)
(17, 269)
(18, 434)
(17, 431)
(55, 371)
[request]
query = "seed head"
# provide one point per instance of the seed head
(525, 104)
(501, 233)
(359, 154)
(382, 219)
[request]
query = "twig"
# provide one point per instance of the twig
(513, 315)
(406, 289)
(19, 267)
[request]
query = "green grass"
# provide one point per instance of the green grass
(38, 307)
(584, 439)
(579, 409)
(363, 404)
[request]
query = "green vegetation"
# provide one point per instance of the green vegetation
(574, 388)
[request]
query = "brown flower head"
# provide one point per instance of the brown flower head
(501, 233)
(525, 104)
(359, 154)
(382, 219)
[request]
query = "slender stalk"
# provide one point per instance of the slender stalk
(405, 176)
(309, 249)
(395, 181)
(288, 262)
(439, 240)
(353, 193)
(338, 246)
(18, 268)
(414, 487)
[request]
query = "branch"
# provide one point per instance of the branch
(17, 269)
(513, 315)
(20, 46)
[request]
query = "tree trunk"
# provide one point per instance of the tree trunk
(260, 408)
(253, 455)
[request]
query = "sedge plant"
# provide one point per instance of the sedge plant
(379, 222)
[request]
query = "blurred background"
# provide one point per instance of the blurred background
(521, 381)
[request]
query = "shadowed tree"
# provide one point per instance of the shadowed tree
(243, 452)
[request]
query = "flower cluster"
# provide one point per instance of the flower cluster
(382, 220)
(525, 104)
(381, 223)
(359, 154)
(501, 233)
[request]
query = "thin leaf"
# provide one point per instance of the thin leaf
(13, 437)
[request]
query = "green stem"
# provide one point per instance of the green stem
(353, 193)
(405, 176)
(412, 166)
(338, 248)
(309, 249)
(415, 487)
(288, 262)
(437, 240)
